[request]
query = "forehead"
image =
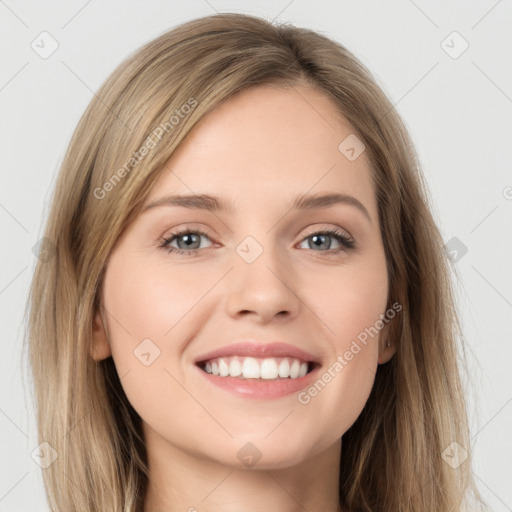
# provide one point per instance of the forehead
(266, 144)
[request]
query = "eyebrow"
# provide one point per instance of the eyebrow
(213, 203)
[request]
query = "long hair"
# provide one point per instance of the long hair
(393, 457)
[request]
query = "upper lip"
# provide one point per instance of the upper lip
(259, 350)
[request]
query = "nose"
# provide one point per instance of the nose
(262, 289)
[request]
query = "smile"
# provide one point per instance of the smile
(257, 368)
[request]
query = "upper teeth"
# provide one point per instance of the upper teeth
(252, 368)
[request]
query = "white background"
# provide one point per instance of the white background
(457, 110)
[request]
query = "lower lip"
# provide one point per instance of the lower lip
(261, 388)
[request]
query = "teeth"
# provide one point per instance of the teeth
(235, 368)
(294, 369)
(253, 368)
(269, 369)
(223, 368)
(284, 368)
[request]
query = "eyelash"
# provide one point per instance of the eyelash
(346, 242)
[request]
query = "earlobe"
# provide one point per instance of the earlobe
(386, 351)
(100, 347)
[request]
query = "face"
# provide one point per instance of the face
(184, 282)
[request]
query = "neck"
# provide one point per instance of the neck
(183, 481)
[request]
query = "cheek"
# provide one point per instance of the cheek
(351, 301)
(147, 300)
(146, 306)
(152, 314)
(350, 307)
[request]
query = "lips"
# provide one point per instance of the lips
(296, 369)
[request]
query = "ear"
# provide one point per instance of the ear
(386, 346)
(100, 348)
(386, 351)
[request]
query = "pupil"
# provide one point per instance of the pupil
(188, 239)
(317, 238)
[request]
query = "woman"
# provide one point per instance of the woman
(193, 345)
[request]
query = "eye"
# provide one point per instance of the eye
(191, 240)
(322, 239)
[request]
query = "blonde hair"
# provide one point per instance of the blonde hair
(392, 456)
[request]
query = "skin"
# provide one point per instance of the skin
(260, 149)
